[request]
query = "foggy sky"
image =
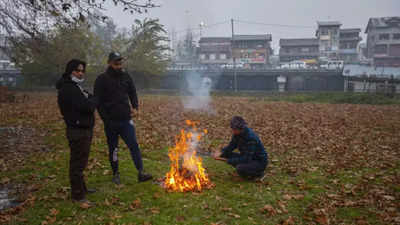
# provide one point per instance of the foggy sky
(183, 14)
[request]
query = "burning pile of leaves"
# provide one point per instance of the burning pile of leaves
(187, 172)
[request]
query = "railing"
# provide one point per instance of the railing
(210, 69)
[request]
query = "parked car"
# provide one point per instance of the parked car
(294, 65)
(332, 64)
(230, 66)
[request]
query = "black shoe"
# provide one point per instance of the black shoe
(144, 177)
(91, 190)
(116, 180)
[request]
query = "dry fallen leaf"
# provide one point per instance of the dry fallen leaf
(269, 210)
(288, 221)
(54, 212)
(135, 204)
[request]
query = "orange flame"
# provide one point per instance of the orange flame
(187, 172)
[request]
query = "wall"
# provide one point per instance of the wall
(247, 81)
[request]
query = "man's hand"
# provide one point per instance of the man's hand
(136, 113)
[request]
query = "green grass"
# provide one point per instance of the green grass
(336, 98)
(303, 97)
(232, 201)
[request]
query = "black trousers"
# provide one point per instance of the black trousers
(79, 142)
(251, 169)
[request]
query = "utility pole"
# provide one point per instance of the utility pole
(234, 58)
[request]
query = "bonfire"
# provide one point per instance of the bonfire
(187, 172)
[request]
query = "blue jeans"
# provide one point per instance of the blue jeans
(125, 129)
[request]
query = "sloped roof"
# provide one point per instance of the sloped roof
(298, 42)
(215, 39)
(263, 37)
(350, 30)
(329, 23)
(383, 22)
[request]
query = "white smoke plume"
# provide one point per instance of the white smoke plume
(199, 93)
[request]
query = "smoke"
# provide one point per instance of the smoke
(190, 158)
(198, 96)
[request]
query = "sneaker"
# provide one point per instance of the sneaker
(116, 180)
(144, 177)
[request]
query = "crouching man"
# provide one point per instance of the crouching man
(252, 158)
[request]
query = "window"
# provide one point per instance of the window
(11, 79)
(396, 36)
(202, 56)
(305, 50)
(384, 37)
(380, 49)
(212, 56)
(222, 56)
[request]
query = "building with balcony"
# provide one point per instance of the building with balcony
(252, 50)
(328, 34)
(298, 49)
(349, 40)
(213, 51)
(383, 41)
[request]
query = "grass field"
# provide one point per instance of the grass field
(329, 164)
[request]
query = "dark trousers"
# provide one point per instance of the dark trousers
(79, 143)
(250, 169)
(125, 129)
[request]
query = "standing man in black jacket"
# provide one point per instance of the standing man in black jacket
(77, 106)
(115, 89)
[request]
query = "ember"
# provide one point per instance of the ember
(187, 172)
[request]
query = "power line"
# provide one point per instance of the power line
(205, 27)
(275, 25)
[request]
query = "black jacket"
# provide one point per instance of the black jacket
(76, 108)
(114, 89)
(250, 148)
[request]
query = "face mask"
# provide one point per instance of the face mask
(77, 80)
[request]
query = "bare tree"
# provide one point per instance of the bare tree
(33, 18)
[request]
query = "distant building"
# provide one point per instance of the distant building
(383, 41)
(252, 50)
(328, 34)
(298, 49)
(348, 45)
(9, 75)
(214, 50)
